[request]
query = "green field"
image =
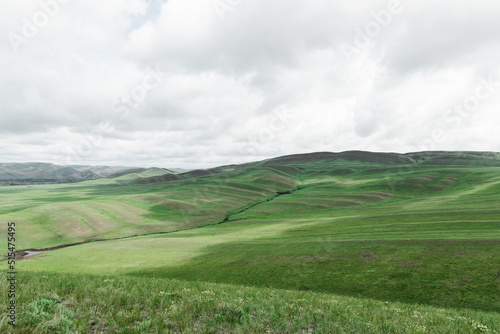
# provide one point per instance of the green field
(359, 242)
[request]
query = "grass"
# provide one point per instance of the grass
(60, 214)
(359, 242)
(60, 303)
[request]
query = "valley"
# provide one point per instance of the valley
(381, 234)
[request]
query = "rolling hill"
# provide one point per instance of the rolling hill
(414, 237)
(37, 172)
(46, 173)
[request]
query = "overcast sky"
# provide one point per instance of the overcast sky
(201, 83)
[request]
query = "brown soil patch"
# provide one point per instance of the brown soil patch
(462, 171)
(449, 181)
(460, 254)
(369, 256)
(422, 179)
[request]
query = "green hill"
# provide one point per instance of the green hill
(417, 229)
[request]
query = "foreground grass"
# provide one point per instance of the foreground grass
(445, 273)
(49, 303)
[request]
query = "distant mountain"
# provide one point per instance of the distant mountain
(361, 156)
(155, 171)
(126, 172)
(38, 172)
(179, 170)
(101, 171)
(460, 158)
(141, 173)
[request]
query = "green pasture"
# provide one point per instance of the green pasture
(421, 238)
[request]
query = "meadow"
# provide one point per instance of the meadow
(304, 244)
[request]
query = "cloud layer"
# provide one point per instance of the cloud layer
(197, 83)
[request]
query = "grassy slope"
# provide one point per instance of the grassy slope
(55, 303)
(426, 234)
(52, 215)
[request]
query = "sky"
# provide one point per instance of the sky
(204, 83)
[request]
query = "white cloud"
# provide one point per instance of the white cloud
(223, 81)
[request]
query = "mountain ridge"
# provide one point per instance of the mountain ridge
(40, 172)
